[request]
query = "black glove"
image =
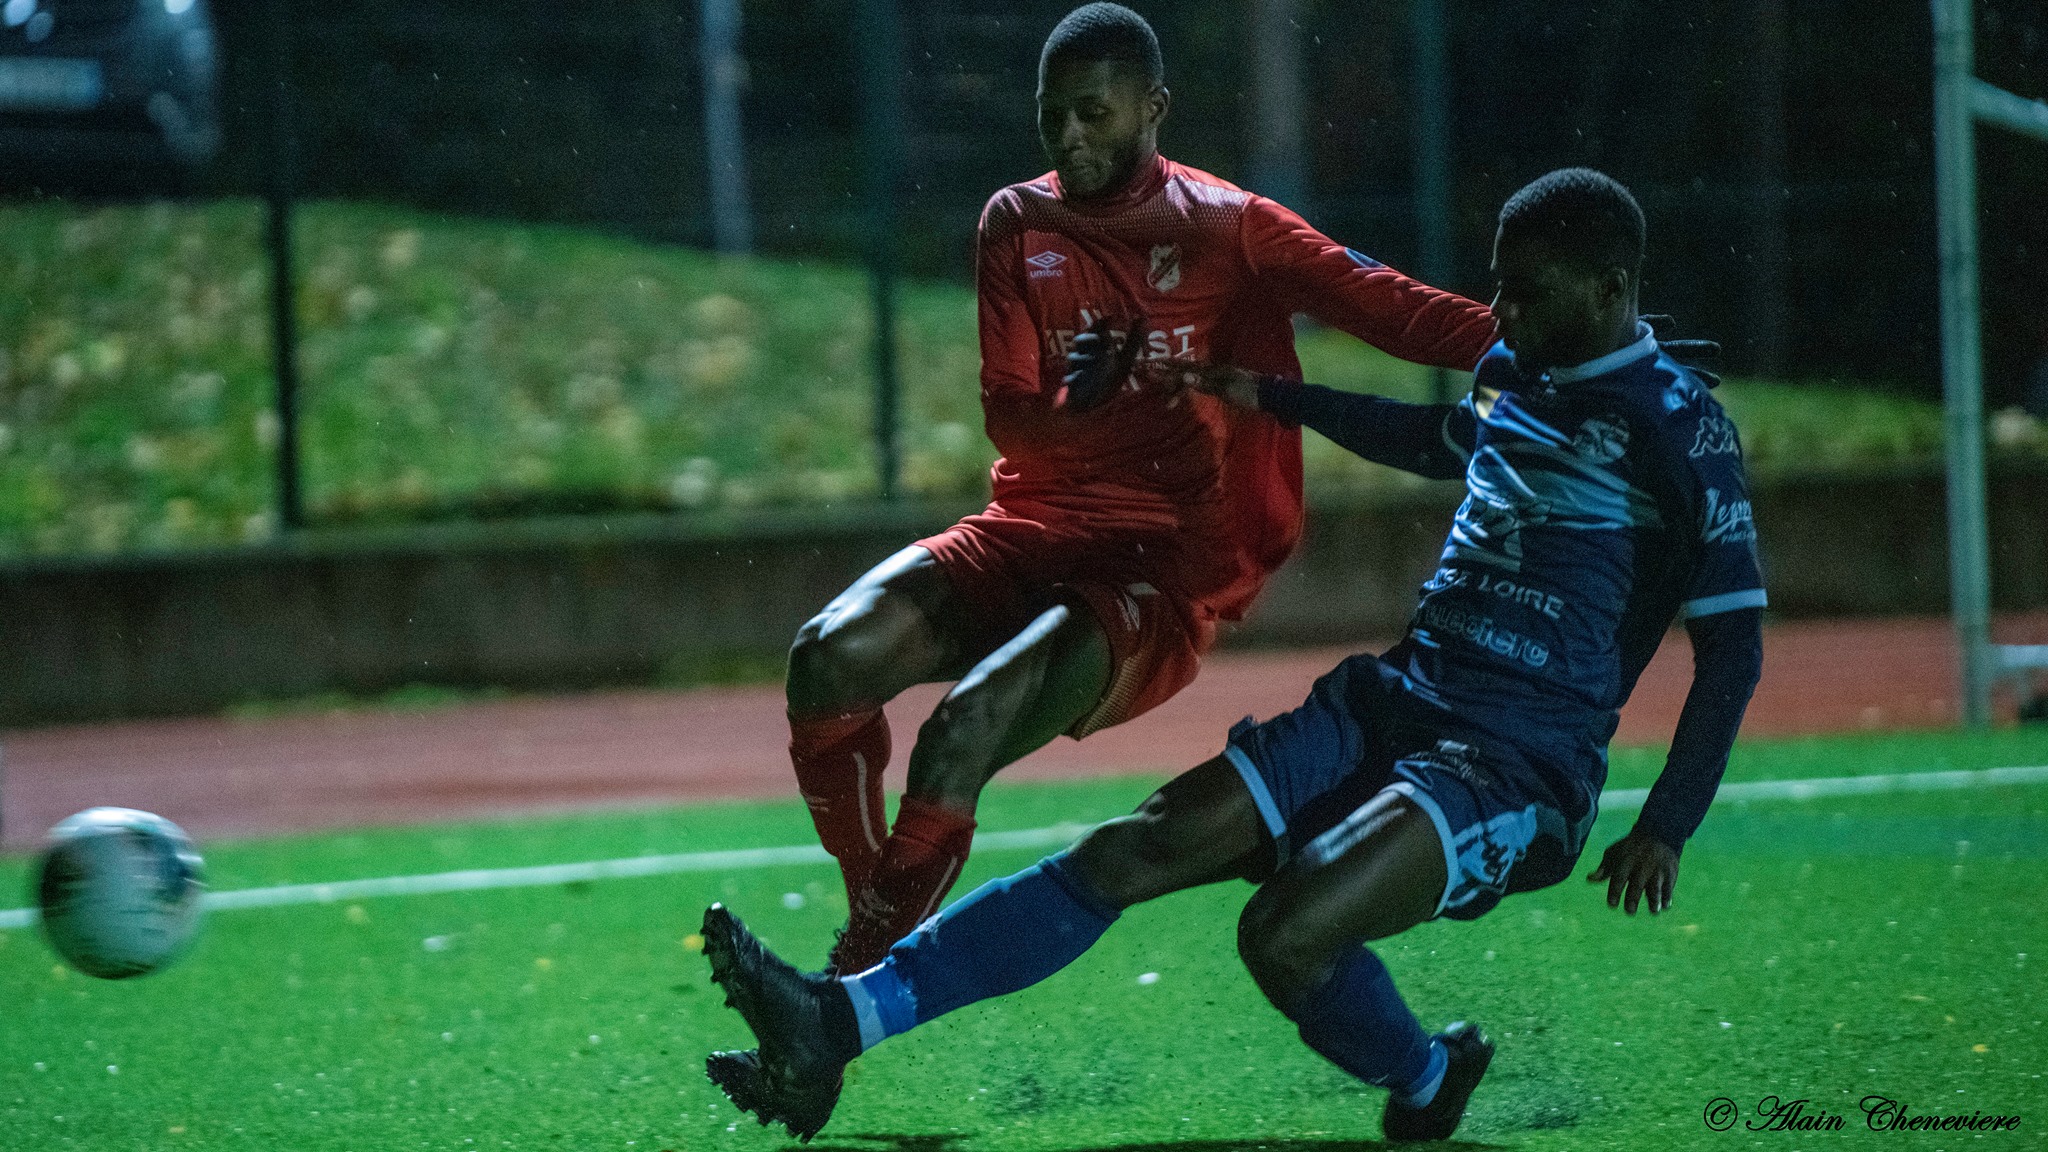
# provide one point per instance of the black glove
(1694, 354)
(1097, 365)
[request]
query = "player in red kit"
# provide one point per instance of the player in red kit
(1126, 521)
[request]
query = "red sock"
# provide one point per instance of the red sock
(839, 762)
(919, 864)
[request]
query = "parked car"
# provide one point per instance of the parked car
(106, 85)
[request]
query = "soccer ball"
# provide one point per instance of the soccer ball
(119, 891)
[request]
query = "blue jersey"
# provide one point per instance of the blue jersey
(1602, 503)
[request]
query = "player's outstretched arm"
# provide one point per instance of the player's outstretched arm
(1347, 289)
(1727, 663)
(1432, 440)
(1229, 384)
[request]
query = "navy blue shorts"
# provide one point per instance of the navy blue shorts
(1311, 770)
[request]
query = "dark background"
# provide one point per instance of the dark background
(1781, 150)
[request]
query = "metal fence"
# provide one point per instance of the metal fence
(502, 303)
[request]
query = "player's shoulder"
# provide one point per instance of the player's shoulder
(1207, 194)
(1009, 209)
(1689, 420)
(1193, 177)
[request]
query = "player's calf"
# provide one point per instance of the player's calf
(1380, 871)
(1020, 697)
(839, 762)
(883, 634)
(1035, 686)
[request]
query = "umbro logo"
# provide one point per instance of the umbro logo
(1046, 264)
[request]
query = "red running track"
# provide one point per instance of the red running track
(220, 776)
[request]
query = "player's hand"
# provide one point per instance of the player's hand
(1098, 365)
(1637, 867)
(1234, 385)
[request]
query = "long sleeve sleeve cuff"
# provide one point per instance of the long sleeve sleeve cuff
(1281, 398)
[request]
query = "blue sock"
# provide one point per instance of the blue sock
(1005, 935)
(1357, 1021)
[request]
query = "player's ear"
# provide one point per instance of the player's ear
(1616, 286)
(1157, 103)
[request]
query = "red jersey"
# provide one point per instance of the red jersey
(1218, 274)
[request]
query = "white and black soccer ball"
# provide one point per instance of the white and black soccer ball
(119, 891)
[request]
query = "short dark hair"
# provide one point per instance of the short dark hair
(1584, 216)
(1104, 32)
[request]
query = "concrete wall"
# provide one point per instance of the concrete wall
(630, 600)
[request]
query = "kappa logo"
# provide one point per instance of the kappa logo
(1716, 438)
(1046, 263)
(1165, 273)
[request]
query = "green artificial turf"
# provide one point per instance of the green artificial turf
(460, 366)
(1828, 949)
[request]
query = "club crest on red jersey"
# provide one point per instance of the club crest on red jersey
(1165, 273)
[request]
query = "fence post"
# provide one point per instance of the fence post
(1278, 113)
(284, 337)
(879, 37)
(1955, 183)
(1960, 100)
(1767, 307)
(732, 225)
(1432, 132)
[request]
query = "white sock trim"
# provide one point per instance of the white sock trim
(865, 1010)
(1439, 1063)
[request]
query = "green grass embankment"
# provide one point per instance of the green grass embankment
(459, 366)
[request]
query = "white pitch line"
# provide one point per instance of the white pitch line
(539, 876)
(742, 859)
(1629, 799)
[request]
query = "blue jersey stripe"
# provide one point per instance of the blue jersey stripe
(1725, 602)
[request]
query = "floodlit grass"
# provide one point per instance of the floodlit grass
(459, 366)
(1827, 949)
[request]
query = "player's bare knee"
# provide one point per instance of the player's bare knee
(832, 664)
(811, 688)
(1286, 957)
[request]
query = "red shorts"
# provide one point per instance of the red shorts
(1009, 569)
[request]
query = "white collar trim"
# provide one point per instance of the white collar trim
(1645, 345)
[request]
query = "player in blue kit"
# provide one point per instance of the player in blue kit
(1605, 498)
